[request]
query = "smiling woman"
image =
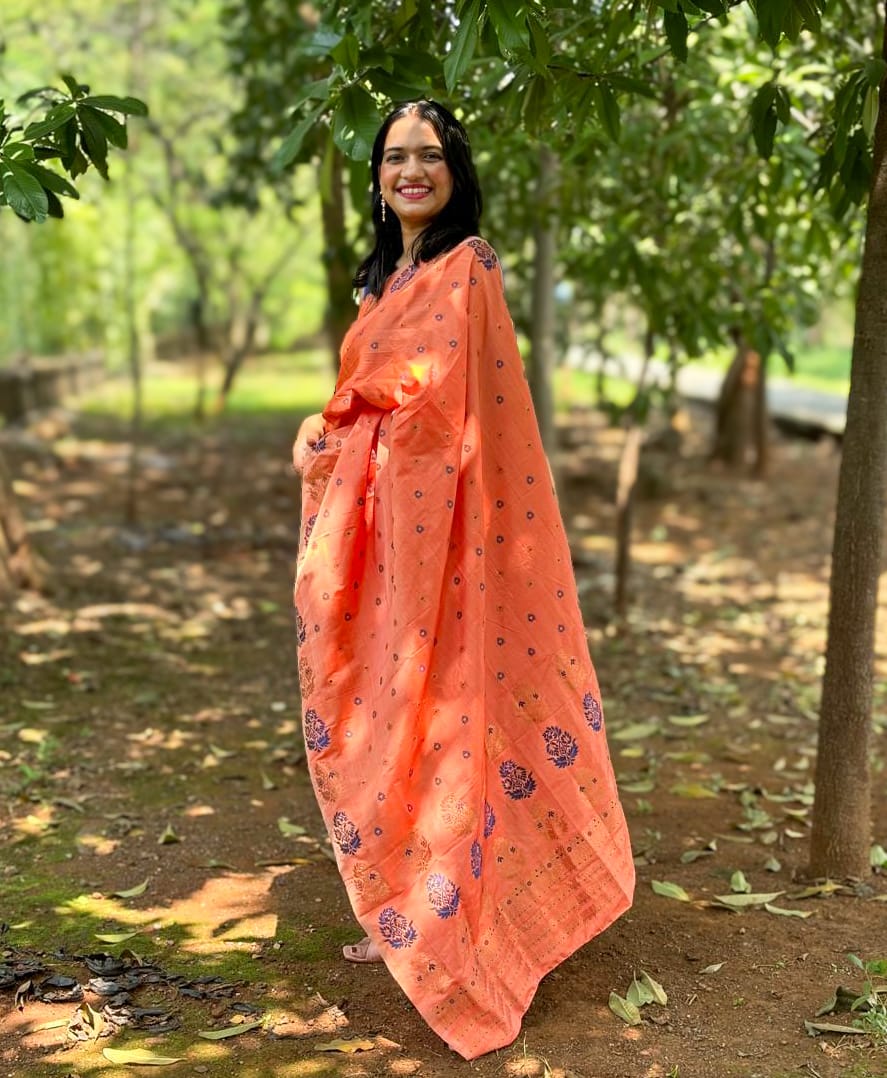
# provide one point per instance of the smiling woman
(452, 715)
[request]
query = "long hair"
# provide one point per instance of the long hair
(460, 217)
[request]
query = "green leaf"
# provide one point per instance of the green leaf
(291, 146)
(23, 192)
(670, 890)
(463, 46)
(638, 993)
(870, 111)
(694, 790)
(770, 908)
(346, 53)
(655, 989)
(635, 731)
(608, 110)
(356, 123)
(689, 720)
(510, 25)
(113, 130)
(94, 142)
(287, 828)
(75, 88)
(139, 1057)
(746, 901)
(133, 892)
(54, 119)
(875, 71)
(739, 884)
(314, 91)
(624, 1009)
(51, 181)
(129, 106)
(229, 1031)
(676, 31)
(117, 937)
(168, 837)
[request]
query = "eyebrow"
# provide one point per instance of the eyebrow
(430, 146)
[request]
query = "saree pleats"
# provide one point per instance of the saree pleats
(451, 711)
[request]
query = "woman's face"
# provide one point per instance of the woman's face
(414, 177)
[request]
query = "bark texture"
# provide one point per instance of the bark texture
(337, 260)
(842, 808)
(20, 567)
(741, 415)
(542, 321)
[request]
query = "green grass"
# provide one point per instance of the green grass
(275, 384)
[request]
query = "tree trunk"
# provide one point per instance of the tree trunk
(337, 257)
(20, 567)
(629, 463)
(841, 834)
(130, 301)
(627, 481)
(542, 320)
(740, 417)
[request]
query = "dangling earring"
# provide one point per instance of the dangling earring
(382, 200)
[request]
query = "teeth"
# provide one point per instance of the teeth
(414, 190)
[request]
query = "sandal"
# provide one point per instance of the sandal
(363, 952)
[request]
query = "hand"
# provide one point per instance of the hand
(310, 433)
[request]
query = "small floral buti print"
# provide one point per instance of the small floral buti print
(396, 929)
(346, 834)
(489, 819)
(485, 253)
(561, 746)
(517, 782)
(593, 714)
(476, 859)
(309, 527)
(317, 736)
(443, 895)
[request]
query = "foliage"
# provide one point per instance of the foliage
(76, 129)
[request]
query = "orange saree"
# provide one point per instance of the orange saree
(451, 712)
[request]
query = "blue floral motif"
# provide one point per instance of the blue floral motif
(301, 628)
(561, 746)
(396, 929)
(476, 859)
(443, 895)
(485, 253)
(320, 444)
(317, 735)
(309, 526)
(593, 714)
(489, 819)
(405, 275)
(517, 782)
(347, 835)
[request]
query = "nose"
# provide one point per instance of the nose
(413, 167)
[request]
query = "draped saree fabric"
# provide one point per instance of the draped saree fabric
(451, 712)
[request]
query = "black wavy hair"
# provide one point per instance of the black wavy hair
(460, 217)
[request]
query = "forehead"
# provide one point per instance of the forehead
(411, 131)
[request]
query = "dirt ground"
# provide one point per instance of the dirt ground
(149, 733)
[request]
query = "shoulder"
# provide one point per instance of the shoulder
(475, 249)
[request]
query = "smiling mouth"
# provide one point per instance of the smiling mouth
(414, 192)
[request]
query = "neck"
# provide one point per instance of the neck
(410, 237)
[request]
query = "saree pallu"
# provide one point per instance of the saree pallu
(452, 716)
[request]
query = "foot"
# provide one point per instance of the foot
(366, 951)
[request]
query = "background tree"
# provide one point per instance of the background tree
(74, 129)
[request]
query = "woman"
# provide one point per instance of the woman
(452, 715)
